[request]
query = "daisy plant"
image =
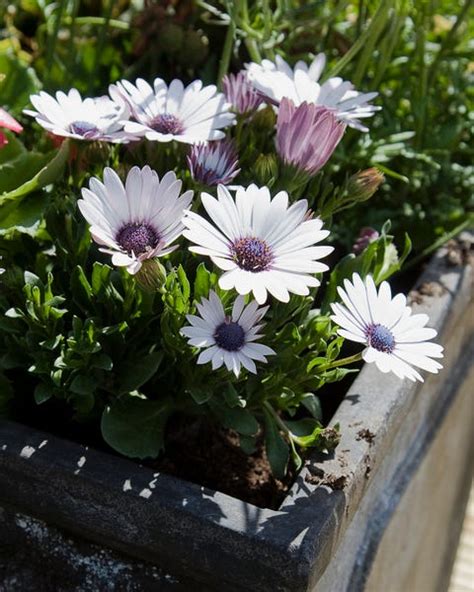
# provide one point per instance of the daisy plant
(183, 272)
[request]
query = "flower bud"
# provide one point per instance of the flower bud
(364, 184)
(151, 276)
(265, 169)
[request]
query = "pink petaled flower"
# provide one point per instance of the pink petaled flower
(240, 93)
(366, 236)
(307, 135)
(214, 163)
(8, 122)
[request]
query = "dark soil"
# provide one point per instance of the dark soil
(203, 453)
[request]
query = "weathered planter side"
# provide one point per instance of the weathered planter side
(359, 520)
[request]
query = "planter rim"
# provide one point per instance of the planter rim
(152, 516)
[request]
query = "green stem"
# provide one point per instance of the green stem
(439, 243)
(226, 52)
(277, 419)
(249, 41)
(361, 41)
(52, 40)
(97, 21)
(342, 362)
(101, 40)
(376, 27)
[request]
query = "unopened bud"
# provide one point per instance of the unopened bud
(264, 120)
(364, 184)
(265, 169)
(151, 276)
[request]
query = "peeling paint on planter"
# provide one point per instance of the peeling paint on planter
(332, 531)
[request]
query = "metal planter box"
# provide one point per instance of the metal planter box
(383, 513)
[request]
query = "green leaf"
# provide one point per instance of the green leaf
(13, 149)
(313, 405)
(19, 83)
(20, 170)
(200, 395)
(276, 447)
(303, 427)
(135, 427)
(202, 283)
(48, 173)
(240, 420)
(185, 285)
(102, 362)
(235, 418)
(133, 374)
(83, 385)
(80, 286)
(24, 217)
(231, 396)
(43, 393)
(324, 439)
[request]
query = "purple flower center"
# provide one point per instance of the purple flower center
(229, 336)
(380, 338)
(252, 254)
(167, 124)
(137, 238)
(84, 129)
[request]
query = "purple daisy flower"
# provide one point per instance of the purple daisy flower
(307, 135)
(214, 163)
(240, 93)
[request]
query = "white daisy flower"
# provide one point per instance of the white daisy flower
(191, 115)
(137, 221)
(91, 119)
(396, 339)
(229, 339)
(260, 243)
(277, 80)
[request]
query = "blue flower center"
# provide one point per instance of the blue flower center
(252, 254)
(167, 124)
(381, 338)
(137, 238)
(230, 336)
(84, 129)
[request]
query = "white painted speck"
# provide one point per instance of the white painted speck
(81, 462)
(146, 493)
(184, 502)
(4, 447)
(156, 474)
(43, 443)
(127, 485)
(27, 451)
(152, 484)
(77, 471)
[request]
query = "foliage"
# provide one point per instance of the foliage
(87, 334)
